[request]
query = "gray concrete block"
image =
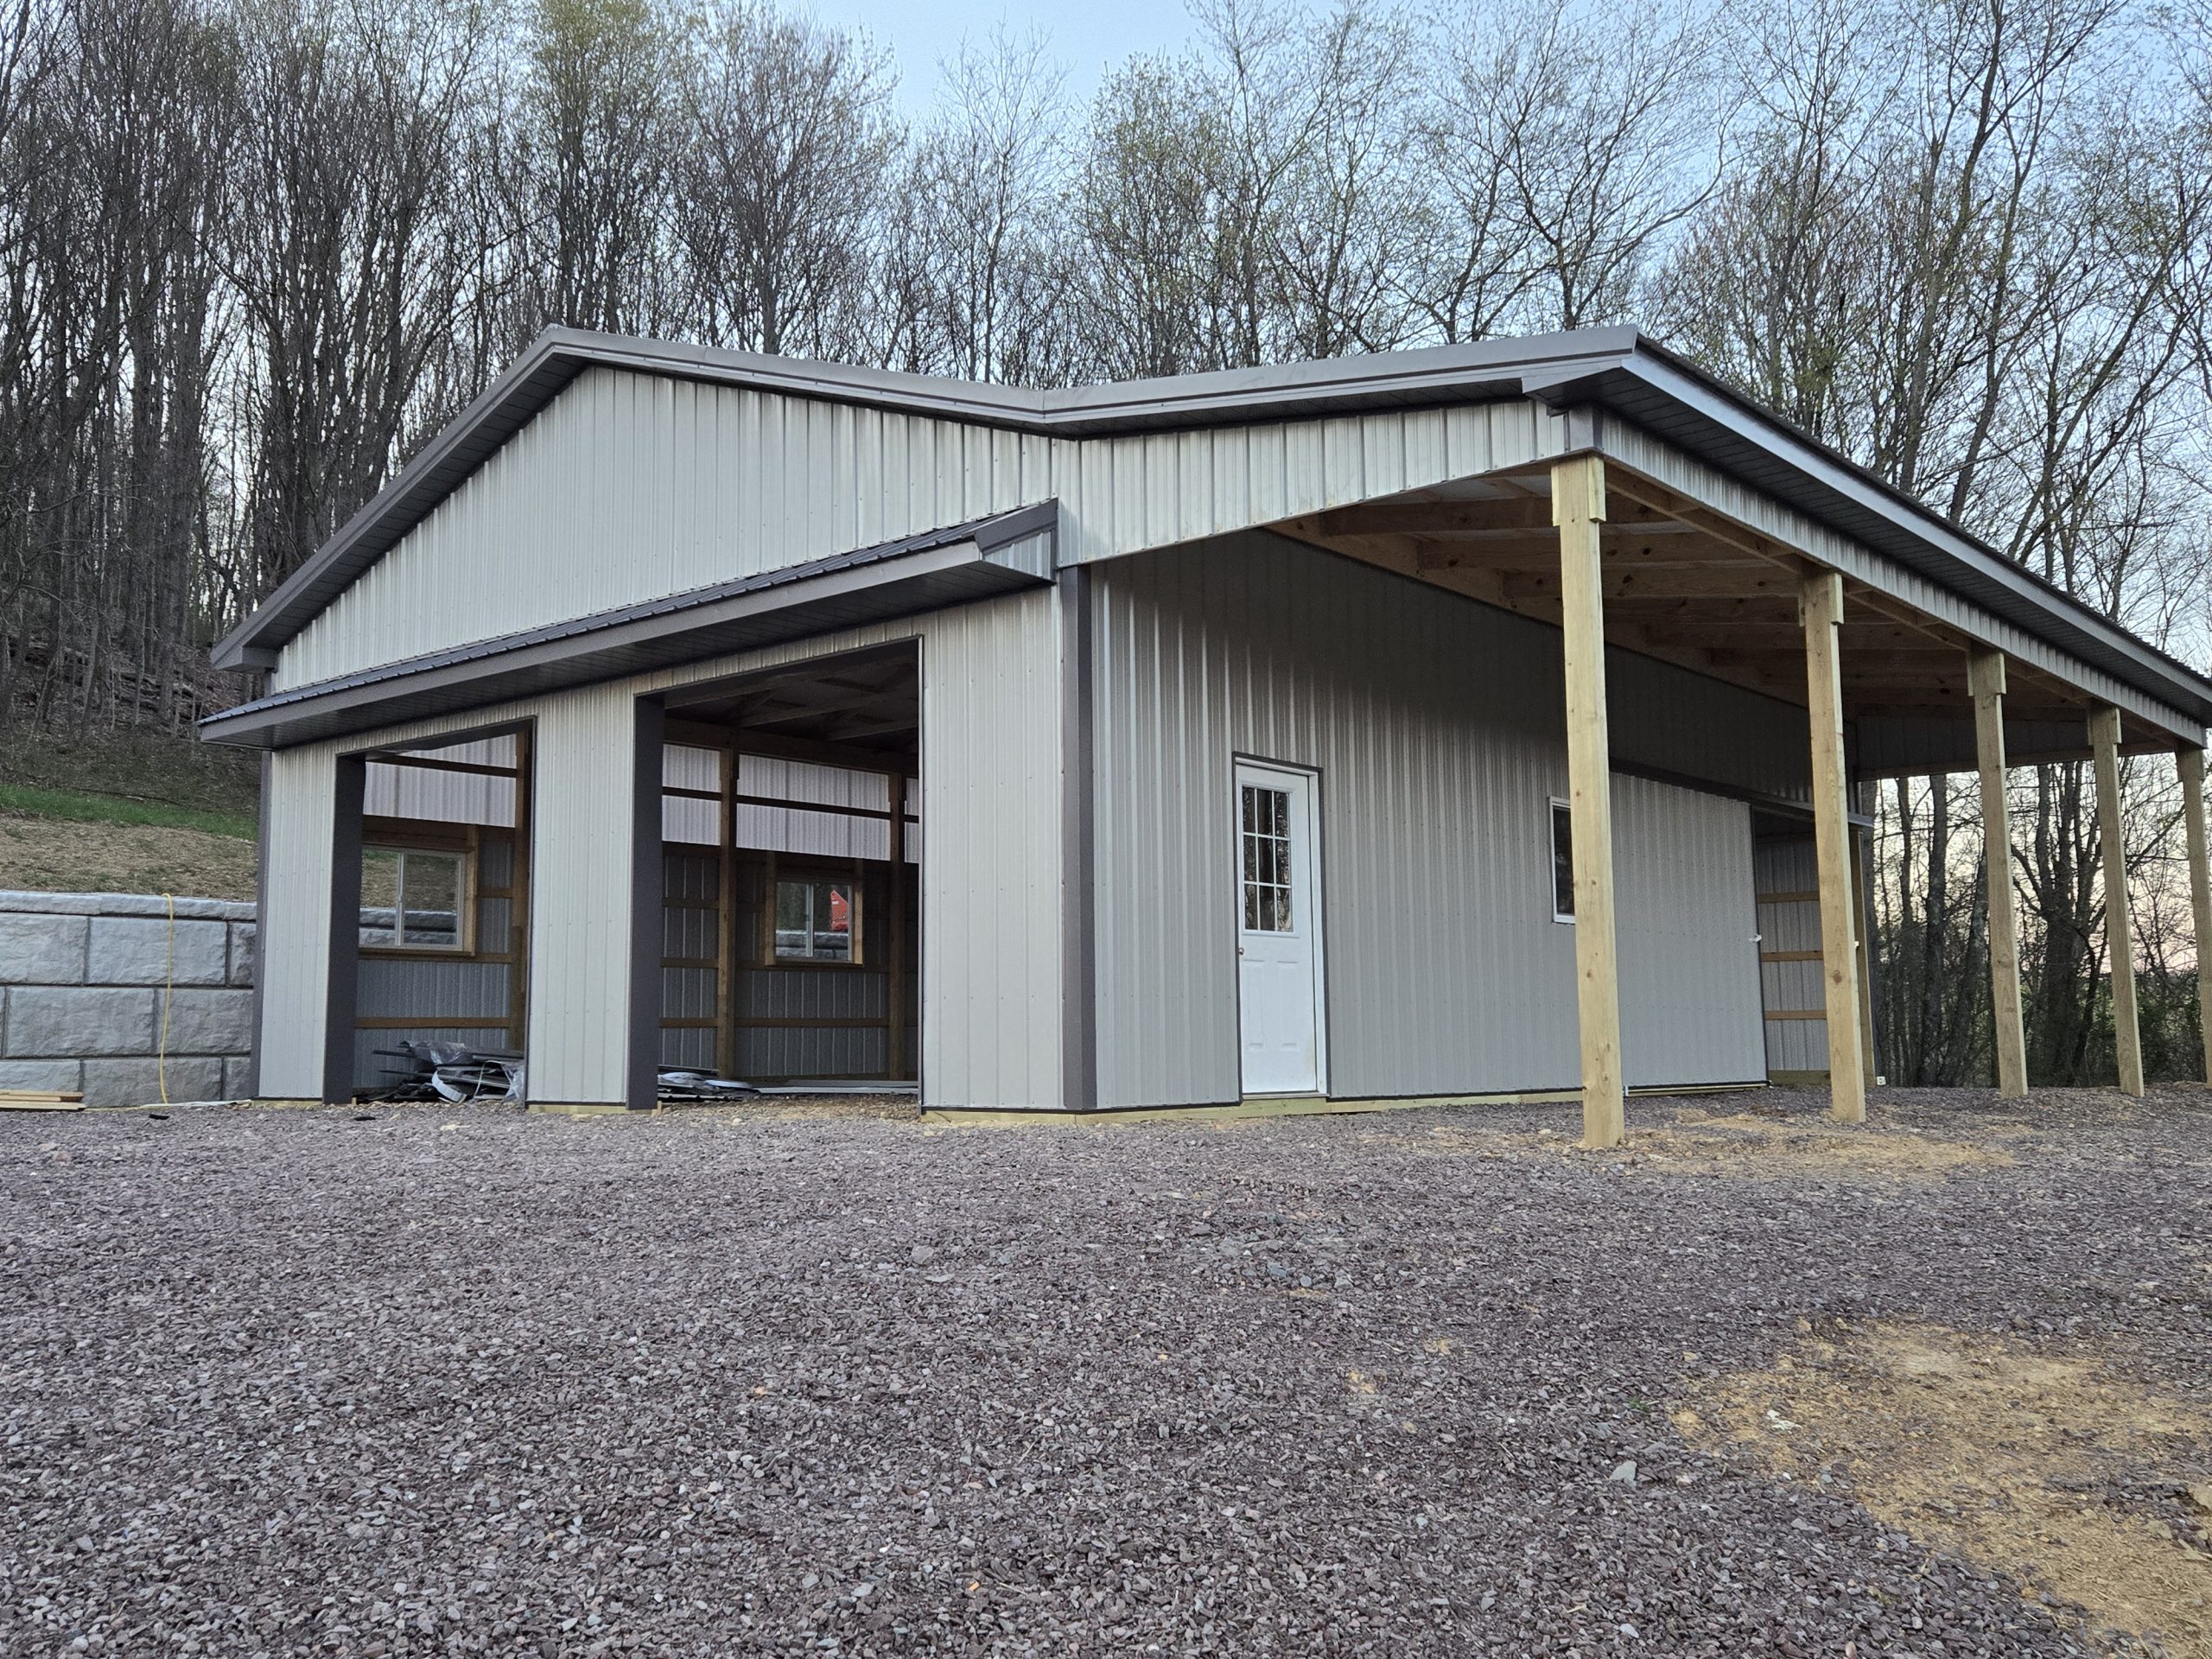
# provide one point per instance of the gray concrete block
(243, 937)
(41, 1074)
(209, 1022)
(68, 1023)
(139, 1082)
(135, 951)
(42, 950)
(238, 1077)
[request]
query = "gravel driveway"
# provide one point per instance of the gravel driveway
(446, 1381)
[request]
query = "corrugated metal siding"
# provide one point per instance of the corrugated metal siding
(1438, 728)
(1666, 717)
(1689, 966)
(1791, 866)
(583, 760)
(629, 486)
(396, 987)
(991, 901)
(296, 929)
(405, 791)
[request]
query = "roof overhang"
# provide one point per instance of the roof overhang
(1591, 371)
(959, 563)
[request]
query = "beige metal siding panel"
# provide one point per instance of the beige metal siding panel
(628, 486)
(1438, 728)
(1689, 967)
(580, 911)
(1257, 646)
(296, 929)
(991, 899)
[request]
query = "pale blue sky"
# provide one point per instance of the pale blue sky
(1086, 39)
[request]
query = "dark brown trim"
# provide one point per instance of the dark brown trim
(647, 882)
(519, 889)
(343, 940)
(260, 928)
(1079, 876)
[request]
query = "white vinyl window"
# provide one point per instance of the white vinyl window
(414, 900)
(1563, 863)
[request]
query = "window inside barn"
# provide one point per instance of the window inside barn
(412, 899)
(816, 920)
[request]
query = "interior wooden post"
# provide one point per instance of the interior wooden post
(726, 921)
(2191, 763)
(894, 978)
(1822, 602)
(1862, 907)
(2120, 930)
(1985, 682)
(1577, 508)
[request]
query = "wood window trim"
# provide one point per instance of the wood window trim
(464, 948)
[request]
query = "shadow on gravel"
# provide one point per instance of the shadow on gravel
(2040, 1463)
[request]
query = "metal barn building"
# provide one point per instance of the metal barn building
(1483, 720)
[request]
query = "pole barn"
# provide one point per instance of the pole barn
(1488, 720)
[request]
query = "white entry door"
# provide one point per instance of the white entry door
(1277, 931)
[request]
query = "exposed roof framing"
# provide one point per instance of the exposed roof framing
(1592, 377)
(1687, 589)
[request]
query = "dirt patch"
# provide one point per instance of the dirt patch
(58, 855)
(1719, 1142)
(2052, 1468)
(897, 1109)
(1752, 1143)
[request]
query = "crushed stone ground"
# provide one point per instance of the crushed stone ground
(425, 1380)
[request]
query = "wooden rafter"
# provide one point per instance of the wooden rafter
(1684, 584)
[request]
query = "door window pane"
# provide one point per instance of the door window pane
(1265, 834)
(1562, 863)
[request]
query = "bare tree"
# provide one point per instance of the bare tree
(787, 168)
(977, 231)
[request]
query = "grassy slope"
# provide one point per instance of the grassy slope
(130, 812)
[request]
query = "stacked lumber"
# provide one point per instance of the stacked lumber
(40, 1100)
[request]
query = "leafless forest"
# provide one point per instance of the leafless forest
(254, 251)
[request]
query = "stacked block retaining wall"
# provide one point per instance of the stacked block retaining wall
(105, 994)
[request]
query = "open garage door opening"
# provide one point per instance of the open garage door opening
(441, 948)
(791, 825)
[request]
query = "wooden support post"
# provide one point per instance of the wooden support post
(726, 922)
(1985, 682)
(2191, 761)
(2120, 931)
(1822, 602)
(894, 978)
(1577, 508)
